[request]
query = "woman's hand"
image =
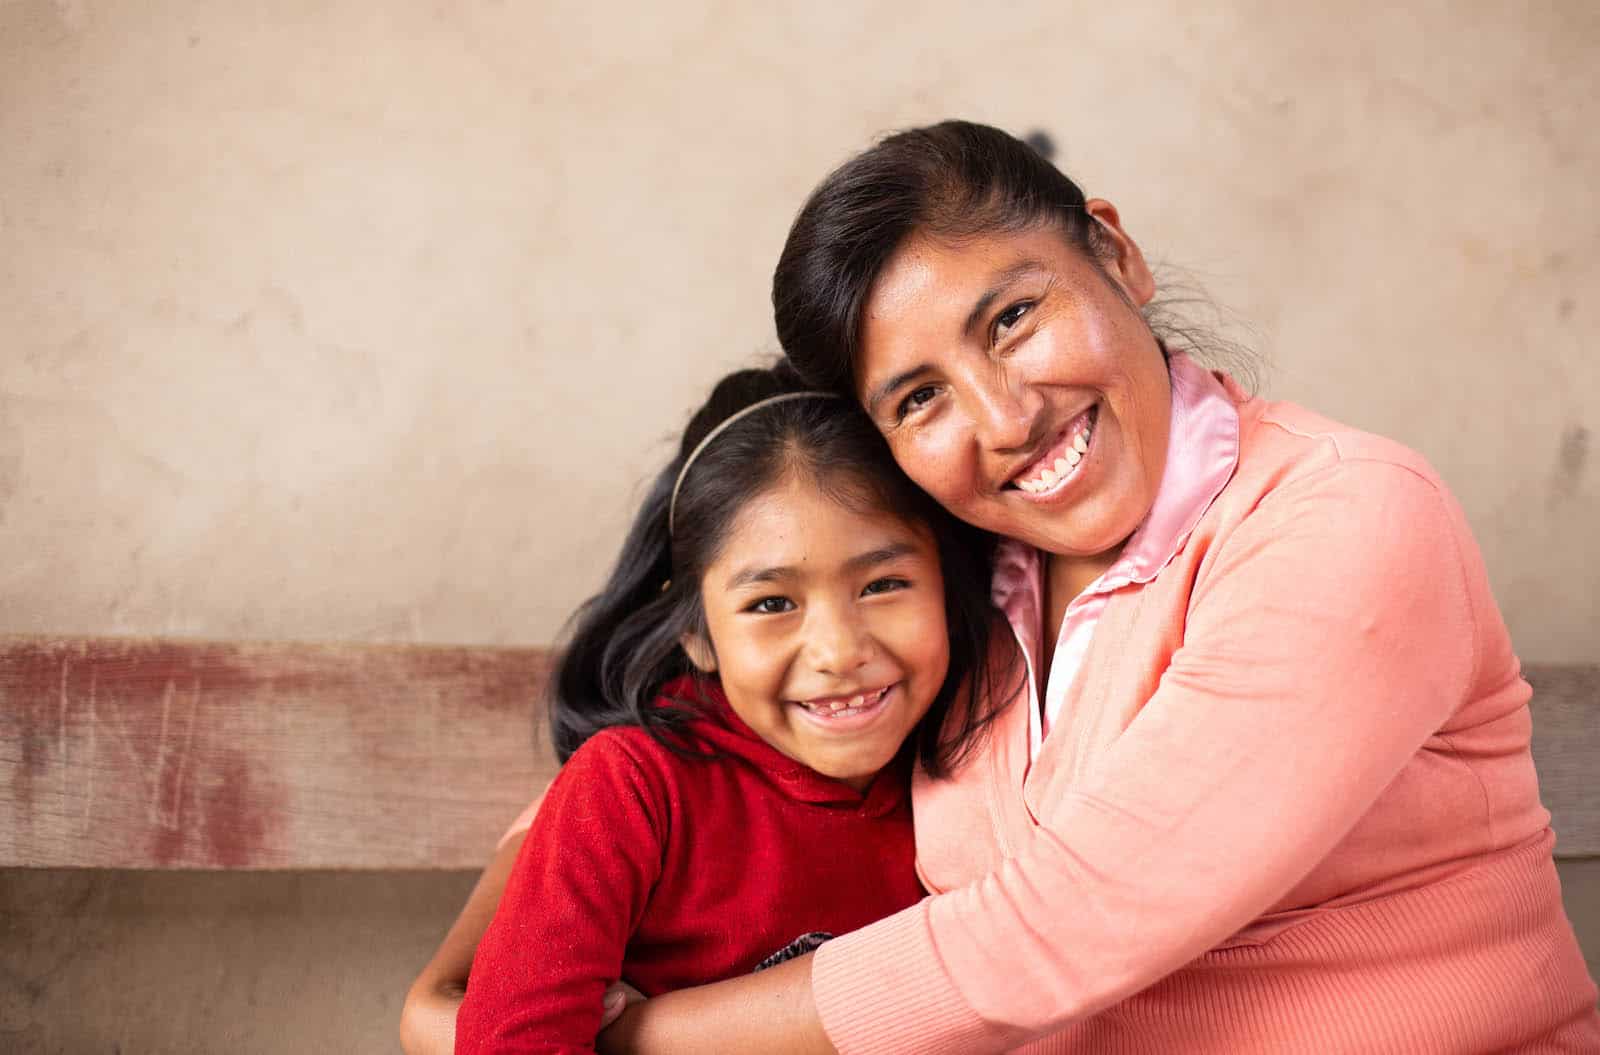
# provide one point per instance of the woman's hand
(619, 998)
(428, 1019)
(771, 1012)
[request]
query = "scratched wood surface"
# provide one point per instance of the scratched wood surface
(182, 754)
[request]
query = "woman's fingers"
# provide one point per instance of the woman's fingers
(617, 999)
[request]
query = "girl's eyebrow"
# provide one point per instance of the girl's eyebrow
(756, 576)
(881, 555)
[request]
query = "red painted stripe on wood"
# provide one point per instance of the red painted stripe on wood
(183, 754)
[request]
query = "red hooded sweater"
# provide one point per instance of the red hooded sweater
(671, 872)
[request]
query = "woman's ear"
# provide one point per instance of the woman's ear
(1123, 261)
(700, 653)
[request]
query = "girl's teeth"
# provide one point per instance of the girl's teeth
(1074, 456)
(833, 707)
(1049, 477)
(1080, 442)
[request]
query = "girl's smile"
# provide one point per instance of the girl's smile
(826, 625)
(846, 715)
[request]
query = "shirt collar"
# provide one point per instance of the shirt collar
(1202, 453)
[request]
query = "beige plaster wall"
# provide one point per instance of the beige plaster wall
(363, 321)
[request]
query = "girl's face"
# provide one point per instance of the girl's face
(1018, 385)
(827, 628)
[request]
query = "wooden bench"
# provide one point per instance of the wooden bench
(170, 800)
(190, 754)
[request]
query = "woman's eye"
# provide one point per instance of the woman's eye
(884, 586)
(772, 606)
(1010, 317)
(918, 397)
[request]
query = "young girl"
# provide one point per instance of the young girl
(789, 621)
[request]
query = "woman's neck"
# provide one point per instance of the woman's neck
(1064, 579)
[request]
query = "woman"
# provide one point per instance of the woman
(1270, 787)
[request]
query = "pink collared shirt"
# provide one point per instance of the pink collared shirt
(1202, 451)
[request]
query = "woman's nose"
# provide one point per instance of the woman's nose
(1001, 413)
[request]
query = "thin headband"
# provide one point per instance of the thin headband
(672, 507)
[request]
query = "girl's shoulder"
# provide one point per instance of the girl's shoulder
(619, 771)
(619, 749)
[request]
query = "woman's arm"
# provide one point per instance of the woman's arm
(770, 1012)
(428, 1019)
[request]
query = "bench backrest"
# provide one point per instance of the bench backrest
(120, 753)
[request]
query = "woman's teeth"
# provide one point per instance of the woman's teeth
(844, 706)
(1063, 465)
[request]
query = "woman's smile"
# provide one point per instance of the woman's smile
(1063, 462)
(1016, 383)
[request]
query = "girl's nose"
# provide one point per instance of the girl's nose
(838, 642)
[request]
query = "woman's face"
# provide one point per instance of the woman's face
(1017, 383)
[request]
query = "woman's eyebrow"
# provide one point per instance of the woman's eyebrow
(898, 381)
(997, 286)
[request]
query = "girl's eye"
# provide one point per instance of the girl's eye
(772, 606)
(917, 398)
(1004, 321)
(878, 586)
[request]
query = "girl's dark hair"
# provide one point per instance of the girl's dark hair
(624, 644)
(951, 180)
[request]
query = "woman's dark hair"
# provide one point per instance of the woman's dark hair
(951, 180)
(624, 644)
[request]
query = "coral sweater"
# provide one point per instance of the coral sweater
(671, 872)
(1287, 803)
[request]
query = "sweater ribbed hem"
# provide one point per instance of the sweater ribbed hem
(884, 989)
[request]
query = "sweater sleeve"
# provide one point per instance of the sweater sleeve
(1330, 638)
(576, 894)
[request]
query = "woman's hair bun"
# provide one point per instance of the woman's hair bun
(1041, 143)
